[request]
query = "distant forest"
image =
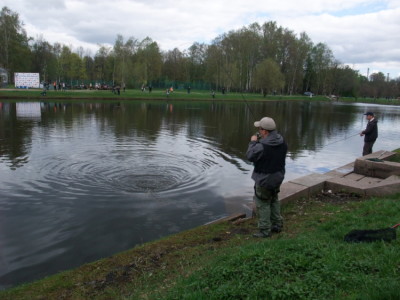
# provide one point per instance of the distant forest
(257, 58)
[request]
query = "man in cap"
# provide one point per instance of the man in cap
(267, 150)
(370, 133)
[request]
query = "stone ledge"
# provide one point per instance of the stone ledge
(314, 182)
(342, 171)
(291, 191)
(340, 184)
(346, 179)
(381, 169)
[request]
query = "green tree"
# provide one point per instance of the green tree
(124, 58)
(318, 64)
(197, 62)
(268, 77)
(378, 84)
(15, 55)
(104, 65)
(174, 67)
(44, 60)
(148, 64)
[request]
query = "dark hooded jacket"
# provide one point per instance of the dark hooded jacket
(268, 156)
(371, 131)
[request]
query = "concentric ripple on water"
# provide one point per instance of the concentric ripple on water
(134, 171)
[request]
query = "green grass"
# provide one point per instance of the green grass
(396, 157)
(309, 260)
(138, 94)
(315, 264)
(159, 94)
(370, 100)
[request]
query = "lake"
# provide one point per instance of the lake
(81, 181)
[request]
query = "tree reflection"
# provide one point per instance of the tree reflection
(228, 125)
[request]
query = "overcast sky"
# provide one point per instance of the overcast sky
(361, 33)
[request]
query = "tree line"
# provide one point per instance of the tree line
(264, 58)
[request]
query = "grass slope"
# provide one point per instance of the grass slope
(309, 260)
(158, 94)
(315, 264)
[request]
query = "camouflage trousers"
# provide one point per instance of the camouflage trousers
(268, 209)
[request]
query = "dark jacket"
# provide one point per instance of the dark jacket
(268, 156)
(371, 132)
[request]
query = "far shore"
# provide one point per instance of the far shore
(181, 95)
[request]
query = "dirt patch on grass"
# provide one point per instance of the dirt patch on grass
(337, 198)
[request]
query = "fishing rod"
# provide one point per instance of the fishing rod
(341, 140)
(241, 92)
(248, 106)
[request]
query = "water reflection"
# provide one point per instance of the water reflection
(305, 126)
(113, 175)
(15, 135)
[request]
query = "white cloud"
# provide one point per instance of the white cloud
(360, 32)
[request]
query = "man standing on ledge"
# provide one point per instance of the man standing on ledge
(267, 150)
(370, 133)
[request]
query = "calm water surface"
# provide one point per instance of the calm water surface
(82, 181)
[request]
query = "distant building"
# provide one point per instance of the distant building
(3, 77)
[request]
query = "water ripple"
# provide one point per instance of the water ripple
(139, 170)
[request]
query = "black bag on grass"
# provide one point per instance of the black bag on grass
(358, 236)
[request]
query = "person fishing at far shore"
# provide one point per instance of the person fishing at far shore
(267, 150)
(370, 133)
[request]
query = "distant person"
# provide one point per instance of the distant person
(150, 88)
(267, 150)
(370, 133)
(223, 91)
(188, 89)
(213, 94)
(44, 91)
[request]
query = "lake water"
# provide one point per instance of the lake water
(84, 180)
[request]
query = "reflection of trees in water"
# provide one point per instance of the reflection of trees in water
(15, 136)
(308, 125)
(305, 125)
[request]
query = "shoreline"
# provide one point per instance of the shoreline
(159, 95)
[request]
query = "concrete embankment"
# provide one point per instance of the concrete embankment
(370, 175)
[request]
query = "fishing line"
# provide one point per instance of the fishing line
(241, 93)
(248, 106)
(341, 140)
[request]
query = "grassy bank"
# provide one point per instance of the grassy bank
(396, 158)
(158, 94)
(309, 260)
(137, 94)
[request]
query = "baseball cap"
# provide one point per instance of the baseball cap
(369, 113)
(266, 123)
